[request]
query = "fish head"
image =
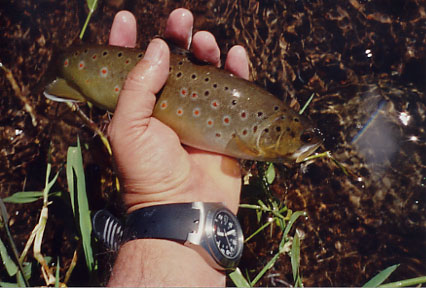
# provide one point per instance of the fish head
(287, 137)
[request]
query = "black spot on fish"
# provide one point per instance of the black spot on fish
(226, 88)
(85, 51)
(207, 79)
(206, 93)
(234, 102)
(215, 85)
(259, 114)
(179, 74)
(276, 108)
(119, 54)
(76, 53)
(282, 117)
(140, 55)
(180, 62)
(194, 76)
(105, 53)
(296, 119)
(170, 69)
(288, 129)
(266, 130)
(292, 135)
(278, 129)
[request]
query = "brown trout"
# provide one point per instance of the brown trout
(207, 107)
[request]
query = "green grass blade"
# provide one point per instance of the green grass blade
(290, 223)
(405, 283)
(382, 276)
(5, 220)
(268, 266)
(11, 267)
(92, 5)
(9, 284)
(27, 197)
(270, 174)
(58, 268)
(306, 104)
(295, 257)
(79, 202)
(238, 279)
(258, 231)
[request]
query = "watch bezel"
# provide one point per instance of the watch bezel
(203, 240)
(224, 260)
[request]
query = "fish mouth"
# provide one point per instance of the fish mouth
(305, 151)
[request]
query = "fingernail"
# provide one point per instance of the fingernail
(154, 51)
(189, 38)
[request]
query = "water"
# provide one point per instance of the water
(364, 60)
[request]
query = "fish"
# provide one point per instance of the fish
(208, 108)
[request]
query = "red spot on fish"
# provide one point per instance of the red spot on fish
(218, 135)
(66, 62)
(94, 57)
(163, 104)
(196, 112)
(245, 132)
(87, 81)
(127, 61)
(183, 92)
(214, 104)
(116, 89)
(194, 95)
(226, 120)
(243, 115)
(104, 72)
(81, 65)
(179, 112)
(209, 122)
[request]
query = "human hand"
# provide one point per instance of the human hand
(153, 166)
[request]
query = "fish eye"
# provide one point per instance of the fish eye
(307, 136)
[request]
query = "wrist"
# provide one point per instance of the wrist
(157, 262)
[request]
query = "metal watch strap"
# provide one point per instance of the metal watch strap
(169, 221)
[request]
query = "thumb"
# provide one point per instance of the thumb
(137, 99)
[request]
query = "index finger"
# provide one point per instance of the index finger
(179, 27)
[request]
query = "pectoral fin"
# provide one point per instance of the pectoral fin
(236, 144)
(60, 91)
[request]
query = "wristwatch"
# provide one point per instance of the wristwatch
(209, 228)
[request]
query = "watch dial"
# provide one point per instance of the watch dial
(225, 234)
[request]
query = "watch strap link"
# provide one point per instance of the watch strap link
(169, 221)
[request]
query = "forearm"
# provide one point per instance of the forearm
(155, 262)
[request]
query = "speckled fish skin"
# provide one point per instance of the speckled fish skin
(207, 107)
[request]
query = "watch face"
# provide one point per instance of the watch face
(225, 234)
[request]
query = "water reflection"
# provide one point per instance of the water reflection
(378, 140)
